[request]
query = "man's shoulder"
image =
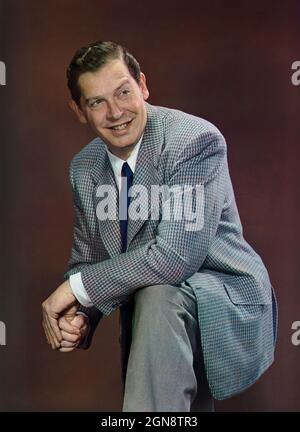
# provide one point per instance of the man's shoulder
(186, 134)
(88, 155)
(183, 123)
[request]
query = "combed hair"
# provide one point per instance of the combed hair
(93, 57)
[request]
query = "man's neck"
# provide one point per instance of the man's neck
(122, 153)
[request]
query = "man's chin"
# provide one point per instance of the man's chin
(120, 149)
(122, 143)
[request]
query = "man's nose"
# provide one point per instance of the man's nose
(114, 112)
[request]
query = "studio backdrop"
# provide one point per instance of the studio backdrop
(234, 63)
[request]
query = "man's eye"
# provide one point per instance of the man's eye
(125, 92)
(95, 103)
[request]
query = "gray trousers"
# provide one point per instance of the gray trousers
(163, 369)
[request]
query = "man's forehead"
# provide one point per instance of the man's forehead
(105, 79)
(109, 73)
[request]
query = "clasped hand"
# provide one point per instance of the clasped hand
(64, 329)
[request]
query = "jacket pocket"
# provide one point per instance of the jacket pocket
(248, 294)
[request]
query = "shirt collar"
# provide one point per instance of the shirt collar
(117, 163)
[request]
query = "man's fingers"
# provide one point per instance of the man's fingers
(52, 321)
(49, 338)
(65, 325)
(52, 340)
(53, 337)
(70, 337)
(84, 329)
(83, 324)
(62, 333)
(51, 332)
(46, 333)
(67, 344)
(65, 350)
(79, 321)
(54, 326)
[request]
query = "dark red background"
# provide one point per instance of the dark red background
(229, 62)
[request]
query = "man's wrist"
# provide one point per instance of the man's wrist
(78, 290)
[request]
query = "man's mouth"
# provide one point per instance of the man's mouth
(121, 126)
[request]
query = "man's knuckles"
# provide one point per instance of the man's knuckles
(79, 321)
(70, 337)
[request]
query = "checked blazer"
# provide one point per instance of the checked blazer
(237, 310)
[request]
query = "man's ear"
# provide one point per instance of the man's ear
(79, 114)
(143, 86)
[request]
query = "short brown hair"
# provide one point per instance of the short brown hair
(93, 57)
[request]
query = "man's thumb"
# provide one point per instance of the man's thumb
(78, 321)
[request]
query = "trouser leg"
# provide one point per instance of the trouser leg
(165, 369)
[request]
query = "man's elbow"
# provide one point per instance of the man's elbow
(175, 268)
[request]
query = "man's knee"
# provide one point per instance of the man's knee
(165, 310)
(166, 299)
(155, 296)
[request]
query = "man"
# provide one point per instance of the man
(198, 313)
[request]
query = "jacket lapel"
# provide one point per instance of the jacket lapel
(146, 172)
(102, 174)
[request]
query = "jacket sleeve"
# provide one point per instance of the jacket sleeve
(176, 252)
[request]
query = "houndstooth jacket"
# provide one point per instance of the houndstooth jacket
(237, 309)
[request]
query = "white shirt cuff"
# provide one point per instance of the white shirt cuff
(79, 290)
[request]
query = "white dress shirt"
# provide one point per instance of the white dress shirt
(116, 164)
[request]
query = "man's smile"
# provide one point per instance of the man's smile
(120, 127)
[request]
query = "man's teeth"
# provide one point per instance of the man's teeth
(120, 127)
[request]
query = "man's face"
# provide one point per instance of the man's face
(113, 104)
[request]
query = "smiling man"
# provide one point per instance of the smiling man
(198, 315)
(112, 103)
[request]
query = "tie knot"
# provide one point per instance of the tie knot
(126, 171)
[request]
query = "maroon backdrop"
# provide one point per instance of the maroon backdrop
(229, 62)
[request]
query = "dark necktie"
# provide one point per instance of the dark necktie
(126, 183)
(126, 311)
